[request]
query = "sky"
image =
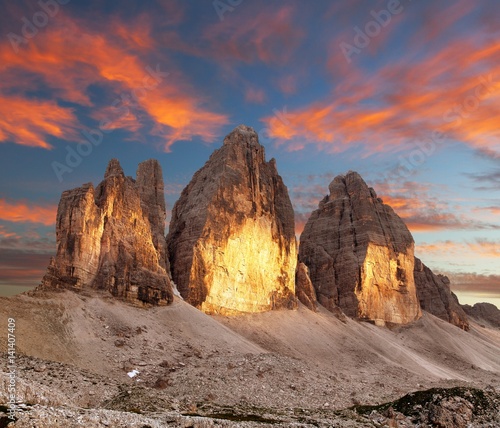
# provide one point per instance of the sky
(406, 93)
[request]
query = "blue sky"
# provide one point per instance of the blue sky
(406, 93)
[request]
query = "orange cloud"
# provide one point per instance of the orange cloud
(479, 247)
(28, 122)
(21, 267)
(455, 90)
(25, 212)
(485, 247)
(468, 282)
(300, 222)
(493, 210)
(4, 233)
(69, 57)
(422, 211)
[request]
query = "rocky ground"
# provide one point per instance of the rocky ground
(283, 368)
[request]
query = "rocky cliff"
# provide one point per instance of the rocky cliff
(484, 313)
(360, 255)
(112, 237)
(231, 240)
(304, 288)
(436, 297)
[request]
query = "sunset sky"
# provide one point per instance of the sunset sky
(407, 93)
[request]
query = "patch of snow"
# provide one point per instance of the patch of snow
(176, 291)
(133, 373)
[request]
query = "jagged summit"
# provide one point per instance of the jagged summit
(360, 254)
(242, 134)
(231, 239)
(113, 168)
(231, 244)
(112, 237)
(361, 259)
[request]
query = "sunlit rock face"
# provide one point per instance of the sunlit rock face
(360, 255)
(112, 237)
(231, 240)
(436, 296)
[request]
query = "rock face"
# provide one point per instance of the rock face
(304, 289)
(436, 297)
(231, 240)
(484, 313)
(112, 237)
(360, 255)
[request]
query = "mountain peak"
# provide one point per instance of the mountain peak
(242, 134)
(112, 237)
(113, 168)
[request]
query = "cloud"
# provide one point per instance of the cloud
(270, 36)
(7, 234)
(174, 188)
(422, 211)
(412, 201)
(495, 210)
(474, 282)
(254, 95)
(22, 268)
(479, 247)
(300, 222)
(29, 121)
(305, 196)
(71, 56)
(486, 181)
(288, 84)
(453, 89)
(27, 212)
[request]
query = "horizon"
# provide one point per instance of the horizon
(405, 93)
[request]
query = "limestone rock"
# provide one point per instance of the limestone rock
(485, 313)
(304, 289)
(112, 237)
(231, 240)
(436, 297)
(360, 255)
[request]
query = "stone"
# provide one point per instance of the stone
(304, 289)
(486, 313)
(452, 412)
(360, 255)
(231, 240)
(112, 237)
(436, 297)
